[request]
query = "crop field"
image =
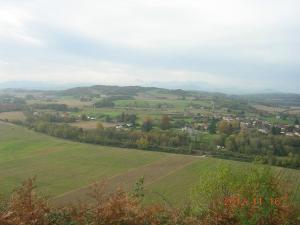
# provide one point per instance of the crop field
(269, 108)
(175, 188)
(60, 165)
(286, 110)
(71, 102)
(65, 170)
(11, 116)
(91, 124)
(294, 111)
(140, 112)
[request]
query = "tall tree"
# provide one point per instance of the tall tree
(147, 124)
(212, 127)
(225, 127)
(165, 122)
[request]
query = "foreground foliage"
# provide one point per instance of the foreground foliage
(213, 203)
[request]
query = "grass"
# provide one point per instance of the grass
(60, 165)
(63, 166)
(274, 120)
(150, 172)
(269, 108)
(87, 125)
(71, 102)
(11, 116)
(175, 189)
(144, 107)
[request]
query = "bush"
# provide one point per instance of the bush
(249, 197)
(117, 208)
(213, 203)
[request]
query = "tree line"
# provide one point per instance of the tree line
(55, 107)
(270, 148)
(158, 140)
(229, 142)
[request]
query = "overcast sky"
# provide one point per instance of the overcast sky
(249, 44)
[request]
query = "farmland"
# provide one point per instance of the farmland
(60, 165)
(149, 112)
(177, 121)
(65, 169)
(90, 124)
(11, 116)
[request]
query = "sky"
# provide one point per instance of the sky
(251, 45)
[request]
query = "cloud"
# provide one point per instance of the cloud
(237, 42)
(13, 26)
(176, 24)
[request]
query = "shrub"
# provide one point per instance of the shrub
(253, 196)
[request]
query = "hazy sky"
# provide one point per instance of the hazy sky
(251, 44)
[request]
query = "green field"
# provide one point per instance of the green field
(65, 169)
(58, 164)
(176, 188)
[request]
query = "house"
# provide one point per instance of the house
(227, 118)
(65, 115)
(263, 131)
(201, 126)
(119, 126)
(188, 130)
(220, 147)
(297, 134)
(244, 125)
(124, 126)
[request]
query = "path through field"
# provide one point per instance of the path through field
(151, 173)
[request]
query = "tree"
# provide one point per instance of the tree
(275, 130)
(147, 124)
(297, 121)
(127, 118)
(84, 117)
(132, 119)
(108, 118)
(142, 143)
(225, 127)
(235, 125)
(139, 189)
(229, 127)
(165, 122)
(237, 192)
(230, 144)
(219, 140)
(100, 126)
(106, 102)
(212, 127)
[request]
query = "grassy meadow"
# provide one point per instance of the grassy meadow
(12, 116)
(58, 164)
(65, 169)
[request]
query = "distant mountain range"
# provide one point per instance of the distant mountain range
(202, 86)
(78, 89)
(196, 86)
(39, 85)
